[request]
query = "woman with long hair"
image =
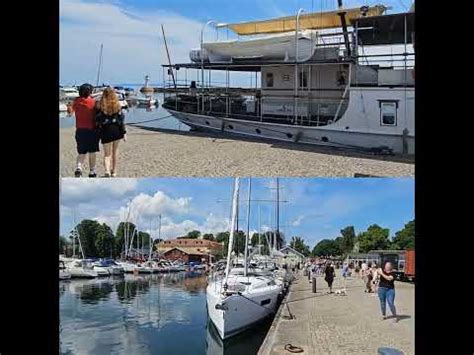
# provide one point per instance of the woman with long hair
(111, 124)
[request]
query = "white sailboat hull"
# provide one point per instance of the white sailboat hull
(64, 275)
(237, 313)
(79, 272)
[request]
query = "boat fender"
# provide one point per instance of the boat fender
(297, 136)
(221, 307)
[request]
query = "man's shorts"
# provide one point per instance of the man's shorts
(87, 141)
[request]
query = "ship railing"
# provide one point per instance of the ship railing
(312, 110)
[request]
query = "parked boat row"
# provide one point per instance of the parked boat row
(89, 268)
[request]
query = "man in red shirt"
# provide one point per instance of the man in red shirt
(87, 138)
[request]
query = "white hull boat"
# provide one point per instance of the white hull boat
(62, 107)
(354, 130)
(101, 271)
(80, 272)
(63, 273)
(234, 311)
(276, 47)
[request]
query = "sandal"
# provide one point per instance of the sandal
(78, 172)
(106, 175)
(92, 174)
(113, 174)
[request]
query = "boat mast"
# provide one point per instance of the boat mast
(73, 235)
(247, 237)
(100, 65)
(259, 232)
(232, 227)
(169, 60)
(342, 15)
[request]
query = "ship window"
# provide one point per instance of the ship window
(388, 113)
(264, 302)
(303, 79)
(269, 80)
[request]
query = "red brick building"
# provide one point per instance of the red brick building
(188, 249)
(187, 255)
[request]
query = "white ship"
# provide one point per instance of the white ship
(327, 90)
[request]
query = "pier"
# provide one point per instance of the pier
(322, 323)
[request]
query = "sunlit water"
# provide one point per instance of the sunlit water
(150, 314)
(155, 117)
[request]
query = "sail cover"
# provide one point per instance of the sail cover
(314, 20)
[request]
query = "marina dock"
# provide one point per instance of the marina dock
(322, 323)
(161, 152)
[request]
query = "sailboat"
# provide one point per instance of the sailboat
(237, 302)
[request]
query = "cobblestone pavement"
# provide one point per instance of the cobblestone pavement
(331, 324)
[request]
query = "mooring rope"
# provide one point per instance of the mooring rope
(146, 121)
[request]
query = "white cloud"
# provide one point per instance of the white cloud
(76, 191)
(133, 44)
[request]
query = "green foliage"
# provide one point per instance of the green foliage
(348, 239)
(87, 231)
(299, 245)
(375, 238)
(326, 247)
(105, 241)
(123, 229)
(208, 236)
(193, 234)
(405, 238)
(63, 244)
(265, 250)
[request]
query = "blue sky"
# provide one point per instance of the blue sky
(131, 34)
(314, 209)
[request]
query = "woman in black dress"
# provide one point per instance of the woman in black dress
(329, 274)
(111, 125)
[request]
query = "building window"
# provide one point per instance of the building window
(388, 112)
(269, 80)
(303, 79)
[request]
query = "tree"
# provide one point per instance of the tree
(87, 231)
(208, 236)
(299, 245)
(63, 244)
(124, 228)
(375, 238)
(326, 247)
(265, 250)
(193, 234)
(348, 239)
(405, 238)
(105, 241)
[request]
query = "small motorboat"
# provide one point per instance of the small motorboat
(79, 268)
(62, 107)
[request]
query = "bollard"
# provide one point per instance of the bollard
(314, 284)
(309, 275)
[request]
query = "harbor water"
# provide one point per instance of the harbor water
(154, 117)
(149, 314)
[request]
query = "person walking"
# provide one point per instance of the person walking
(87, 139)
(329, 274)
(368, 279)
(386, 290)
(111, 124)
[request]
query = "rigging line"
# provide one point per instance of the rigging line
(155, 119)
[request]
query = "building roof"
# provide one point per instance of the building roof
(188, 250)
(287, 247)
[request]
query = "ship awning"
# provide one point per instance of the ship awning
(314, 20)
(384, 30)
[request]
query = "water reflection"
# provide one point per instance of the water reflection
(149, 314)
